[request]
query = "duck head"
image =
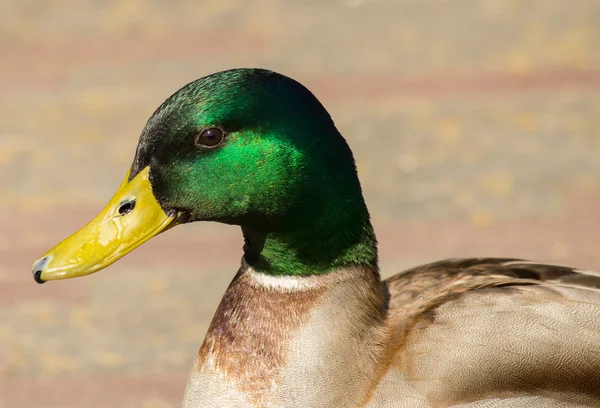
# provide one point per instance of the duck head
(248, 147)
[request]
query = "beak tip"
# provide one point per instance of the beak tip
(37, 276)
(38, 268)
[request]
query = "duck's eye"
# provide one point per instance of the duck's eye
(210, 137)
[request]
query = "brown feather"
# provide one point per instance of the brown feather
(469, 333)
(474, 330)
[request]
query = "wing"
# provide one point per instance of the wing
(485, 332)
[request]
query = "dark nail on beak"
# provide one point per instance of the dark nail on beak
(37, 269)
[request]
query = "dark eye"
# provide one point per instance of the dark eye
(210, 137)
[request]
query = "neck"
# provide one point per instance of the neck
(314, 245)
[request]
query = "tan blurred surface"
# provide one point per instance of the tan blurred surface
(475, 125)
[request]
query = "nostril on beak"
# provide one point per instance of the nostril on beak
(38, 267)
(126, 206)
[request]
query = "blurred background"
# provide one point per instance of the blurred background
(475, 126)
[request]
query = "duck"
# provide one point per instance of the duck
(307, 321)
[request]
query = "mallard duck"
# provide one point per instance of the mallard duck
(307, 321)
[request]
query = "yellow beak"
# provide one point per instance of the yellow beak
(132, 217)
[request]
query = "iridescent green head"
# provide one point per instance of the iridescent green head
(257, 149)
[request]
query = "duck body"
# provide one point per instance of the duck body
(460, 333)
(299, 341)
(307, 320)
